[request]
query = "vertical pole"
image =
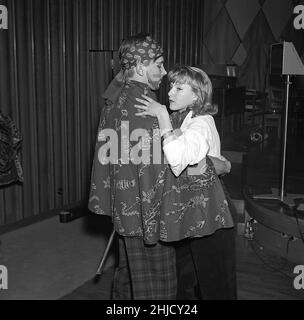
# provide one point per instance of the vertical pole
(112, 64)
(285, 138)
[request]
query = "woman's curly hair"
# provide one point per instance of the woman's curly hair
(201, 85)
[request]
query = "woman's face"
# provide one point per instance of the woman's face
(180, 96)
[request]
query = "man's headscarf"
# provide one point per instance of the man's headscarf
(141, 51)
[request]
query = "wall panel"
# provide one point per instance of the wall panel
(51, 85)
(243, 31)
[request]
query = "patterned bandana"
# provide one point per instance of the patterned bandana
(141, 52)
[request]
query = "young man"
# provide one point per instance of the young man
(126, 183)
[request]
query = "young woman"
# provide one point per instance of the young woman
(205, 252)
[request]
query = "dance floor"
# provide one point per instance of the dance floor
(261, 273)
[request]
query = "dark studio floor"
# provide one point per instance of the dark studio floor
(260, 276)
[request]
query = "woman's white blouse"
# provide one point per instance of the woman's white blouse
(198, 138)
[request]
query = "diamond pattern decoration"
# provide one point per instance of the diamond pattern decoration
(253, 72)
(242, 31)
(207, 58)
(213, 8)
(221, 53)
(240, 55)
(242, 14)
(277, 15)
(258, 34)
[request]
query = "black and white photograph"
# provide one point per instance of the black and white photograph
(151, 153)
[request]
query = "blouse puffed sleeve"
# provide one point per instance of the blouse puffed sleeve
(187, 148)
